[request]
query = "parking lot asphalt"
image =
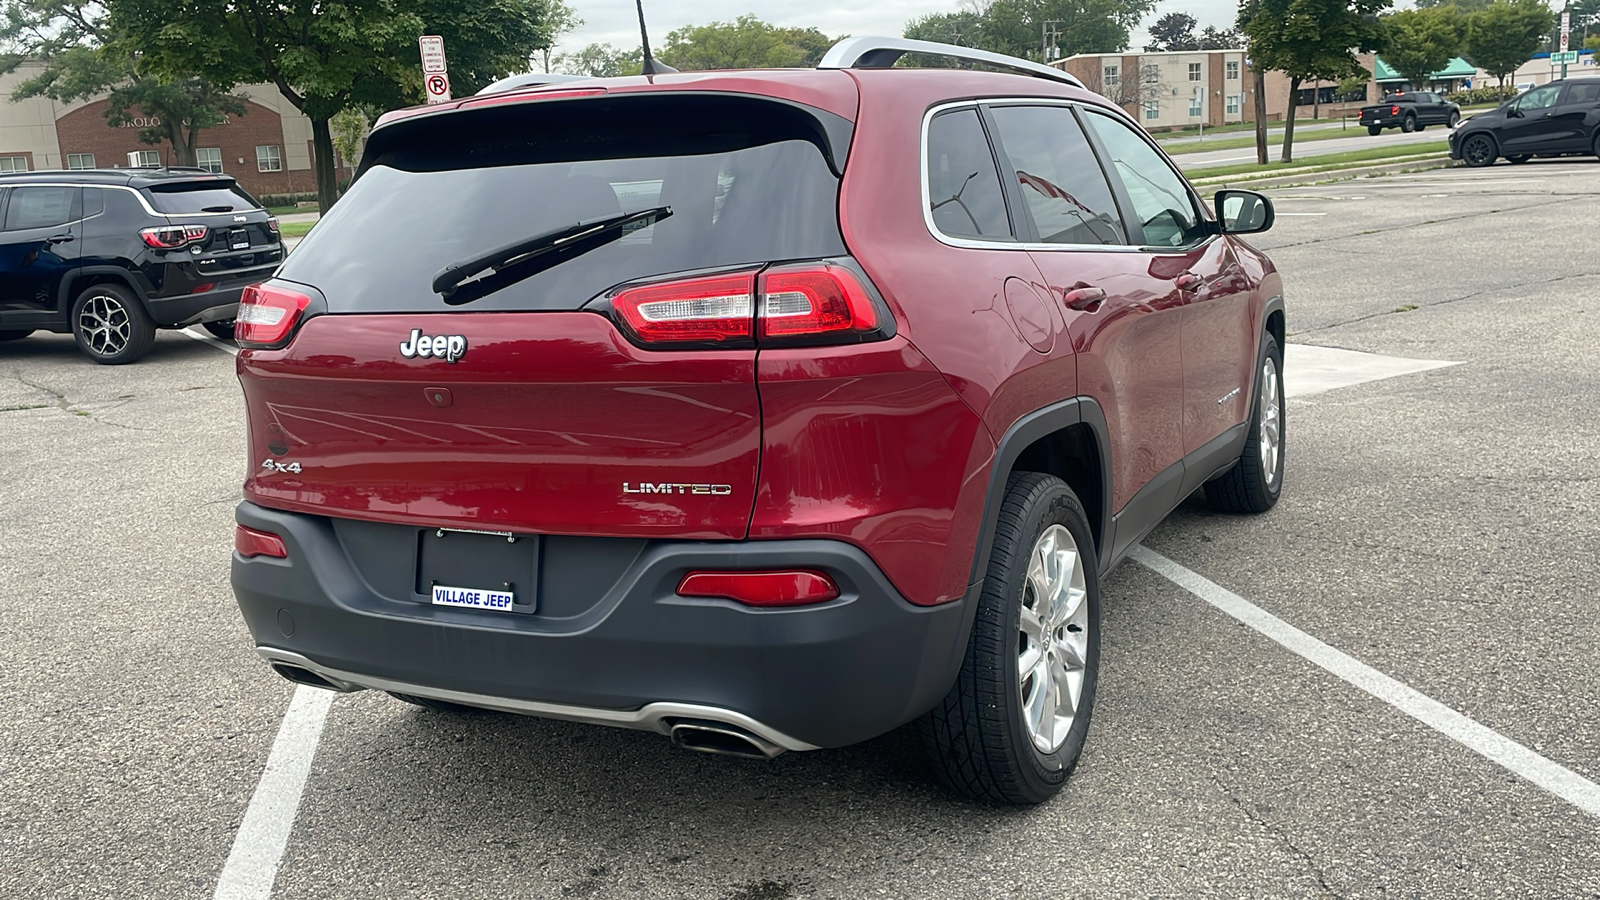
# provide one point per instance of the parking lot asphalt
(1437, 526)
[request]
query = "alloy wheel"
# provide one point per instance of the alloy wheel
(1271, 418)
(1478, 150)
(1053, 640)
(105, 325)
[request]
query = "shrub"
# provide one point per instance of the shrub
(286, 199)
(1483, 95)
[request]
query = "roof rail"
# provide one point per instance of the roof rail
(882, 52)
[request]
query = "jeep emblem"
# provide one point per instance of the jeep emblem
(448, 347)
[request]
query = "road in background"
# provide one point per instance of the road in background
(1438, 526)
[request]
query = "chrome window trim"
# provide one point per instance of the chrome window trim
(977, 243)
(132, 190)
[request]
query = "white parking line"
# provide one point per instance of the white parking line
(1515, 758)
(205, 338)
(252, 864)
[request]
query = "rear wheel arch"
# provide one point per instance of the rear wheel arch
(78, 280)
(1066, 439)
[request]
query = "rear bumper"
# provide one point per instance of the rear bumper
(641, 656)
(191, 309)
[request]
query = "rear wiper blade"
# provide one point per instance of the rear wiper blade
(576, 239)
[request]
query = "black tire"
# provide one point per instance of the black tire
(1479, 150)
(1455, 119)
(111, 326)
(1374, 129)
(221, 330)
(1255, 482)
(436, 705)
(15, 335)
(1408, 124)
(977, 737)
(1519, 159)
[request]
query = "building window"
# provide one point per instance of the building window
(1233, 104)
(1152, 74)
(1194, 107)
(1194, 71)
(1233, 70)
(144, 158)
(209, 158)
(13, 164)
(80, 160)
(268, 159)
(1152, 109)
(1111, 76)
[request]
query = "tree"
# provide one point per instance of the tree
(601, 61)
(1422, 41)
(1592, 43)
(73, 39)
(1305, 40)
(1503, 35)
(1128, 90)
(1462, 6)
(1016, 27)
(324, 58)
(1213, 39)
(1173, 31)
(745, 43)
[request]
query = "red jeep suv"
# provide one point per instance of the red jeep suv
(769, 410)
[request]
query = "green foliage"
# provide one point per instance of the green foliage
(1015, 27)
(327, 57)
(348, 129)
(1478, 95)
(1213, 38)
(1501, 36)
(600, 61)
(1423, 41)
(1592, 43)
(1173, 31)
(76, 42)
(745, 43)
(1309, 39)
(1463, 6)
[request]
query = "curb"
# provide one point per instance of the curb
(1408, 164)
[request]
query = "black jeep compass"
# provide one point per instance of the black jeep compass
(112, 255)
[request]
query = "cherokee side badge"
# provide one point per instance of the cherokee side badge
(448, 347)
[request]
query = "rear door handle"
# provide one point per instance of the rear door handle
(1188, 281)
(60, 239)
(1084, 297)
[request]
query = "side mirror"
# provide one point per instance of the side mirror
(1513, 112)
(1243, 212)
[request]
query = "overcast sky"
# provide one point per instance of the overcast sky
(615, 22)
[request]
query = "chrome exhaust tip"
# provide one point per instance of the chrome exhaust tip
(723, 740)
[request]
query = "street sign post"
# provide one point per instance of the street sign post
(435, 76)
(1570, 57)
(1566, 29)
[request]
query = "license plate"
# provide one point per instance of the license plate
(239, 240)
(472, 598)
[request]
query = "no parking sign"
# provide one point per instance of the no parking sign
(438, 87)
(434, 77)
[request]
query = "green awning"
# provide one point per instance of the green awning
(1458, 68)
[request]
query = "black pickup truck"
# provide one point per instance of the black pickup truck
(1410, 111)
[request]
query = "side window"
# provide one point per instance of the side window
(1161, 199)
(963, 184)
(1539, 98)
(1057, 174)
(94, 201)
(42, 207)
(1582, 92)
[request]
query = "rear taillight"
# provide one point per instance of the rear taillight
(814, 299)
(716, 310)
(796, 588)
(1394, 110)
(171, 237)
(808, 303)
(248, 542)
(267, 314)
(272, 224)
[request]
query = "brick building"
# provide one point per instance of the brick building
(268, 149)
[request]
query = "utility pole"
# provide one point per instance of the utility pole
(1049, 38)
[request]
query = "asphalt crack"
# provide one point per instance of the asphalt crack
(1281, 836)
(1414, 306)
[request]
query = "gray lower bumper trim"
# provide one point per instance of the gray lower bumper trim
(657, 717)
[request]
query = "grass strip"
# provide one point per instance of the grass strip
(1324, 162)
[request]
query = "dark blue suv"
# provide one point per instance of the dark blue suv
(112, 255)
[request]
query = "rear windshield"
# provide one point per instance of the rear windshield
(747, 182)
(186, 197)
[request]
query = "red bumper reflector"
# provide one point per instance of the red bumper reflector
(761, 588)
(248, 542)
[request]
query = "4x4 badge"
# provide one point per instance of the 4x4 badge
(448, 347)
